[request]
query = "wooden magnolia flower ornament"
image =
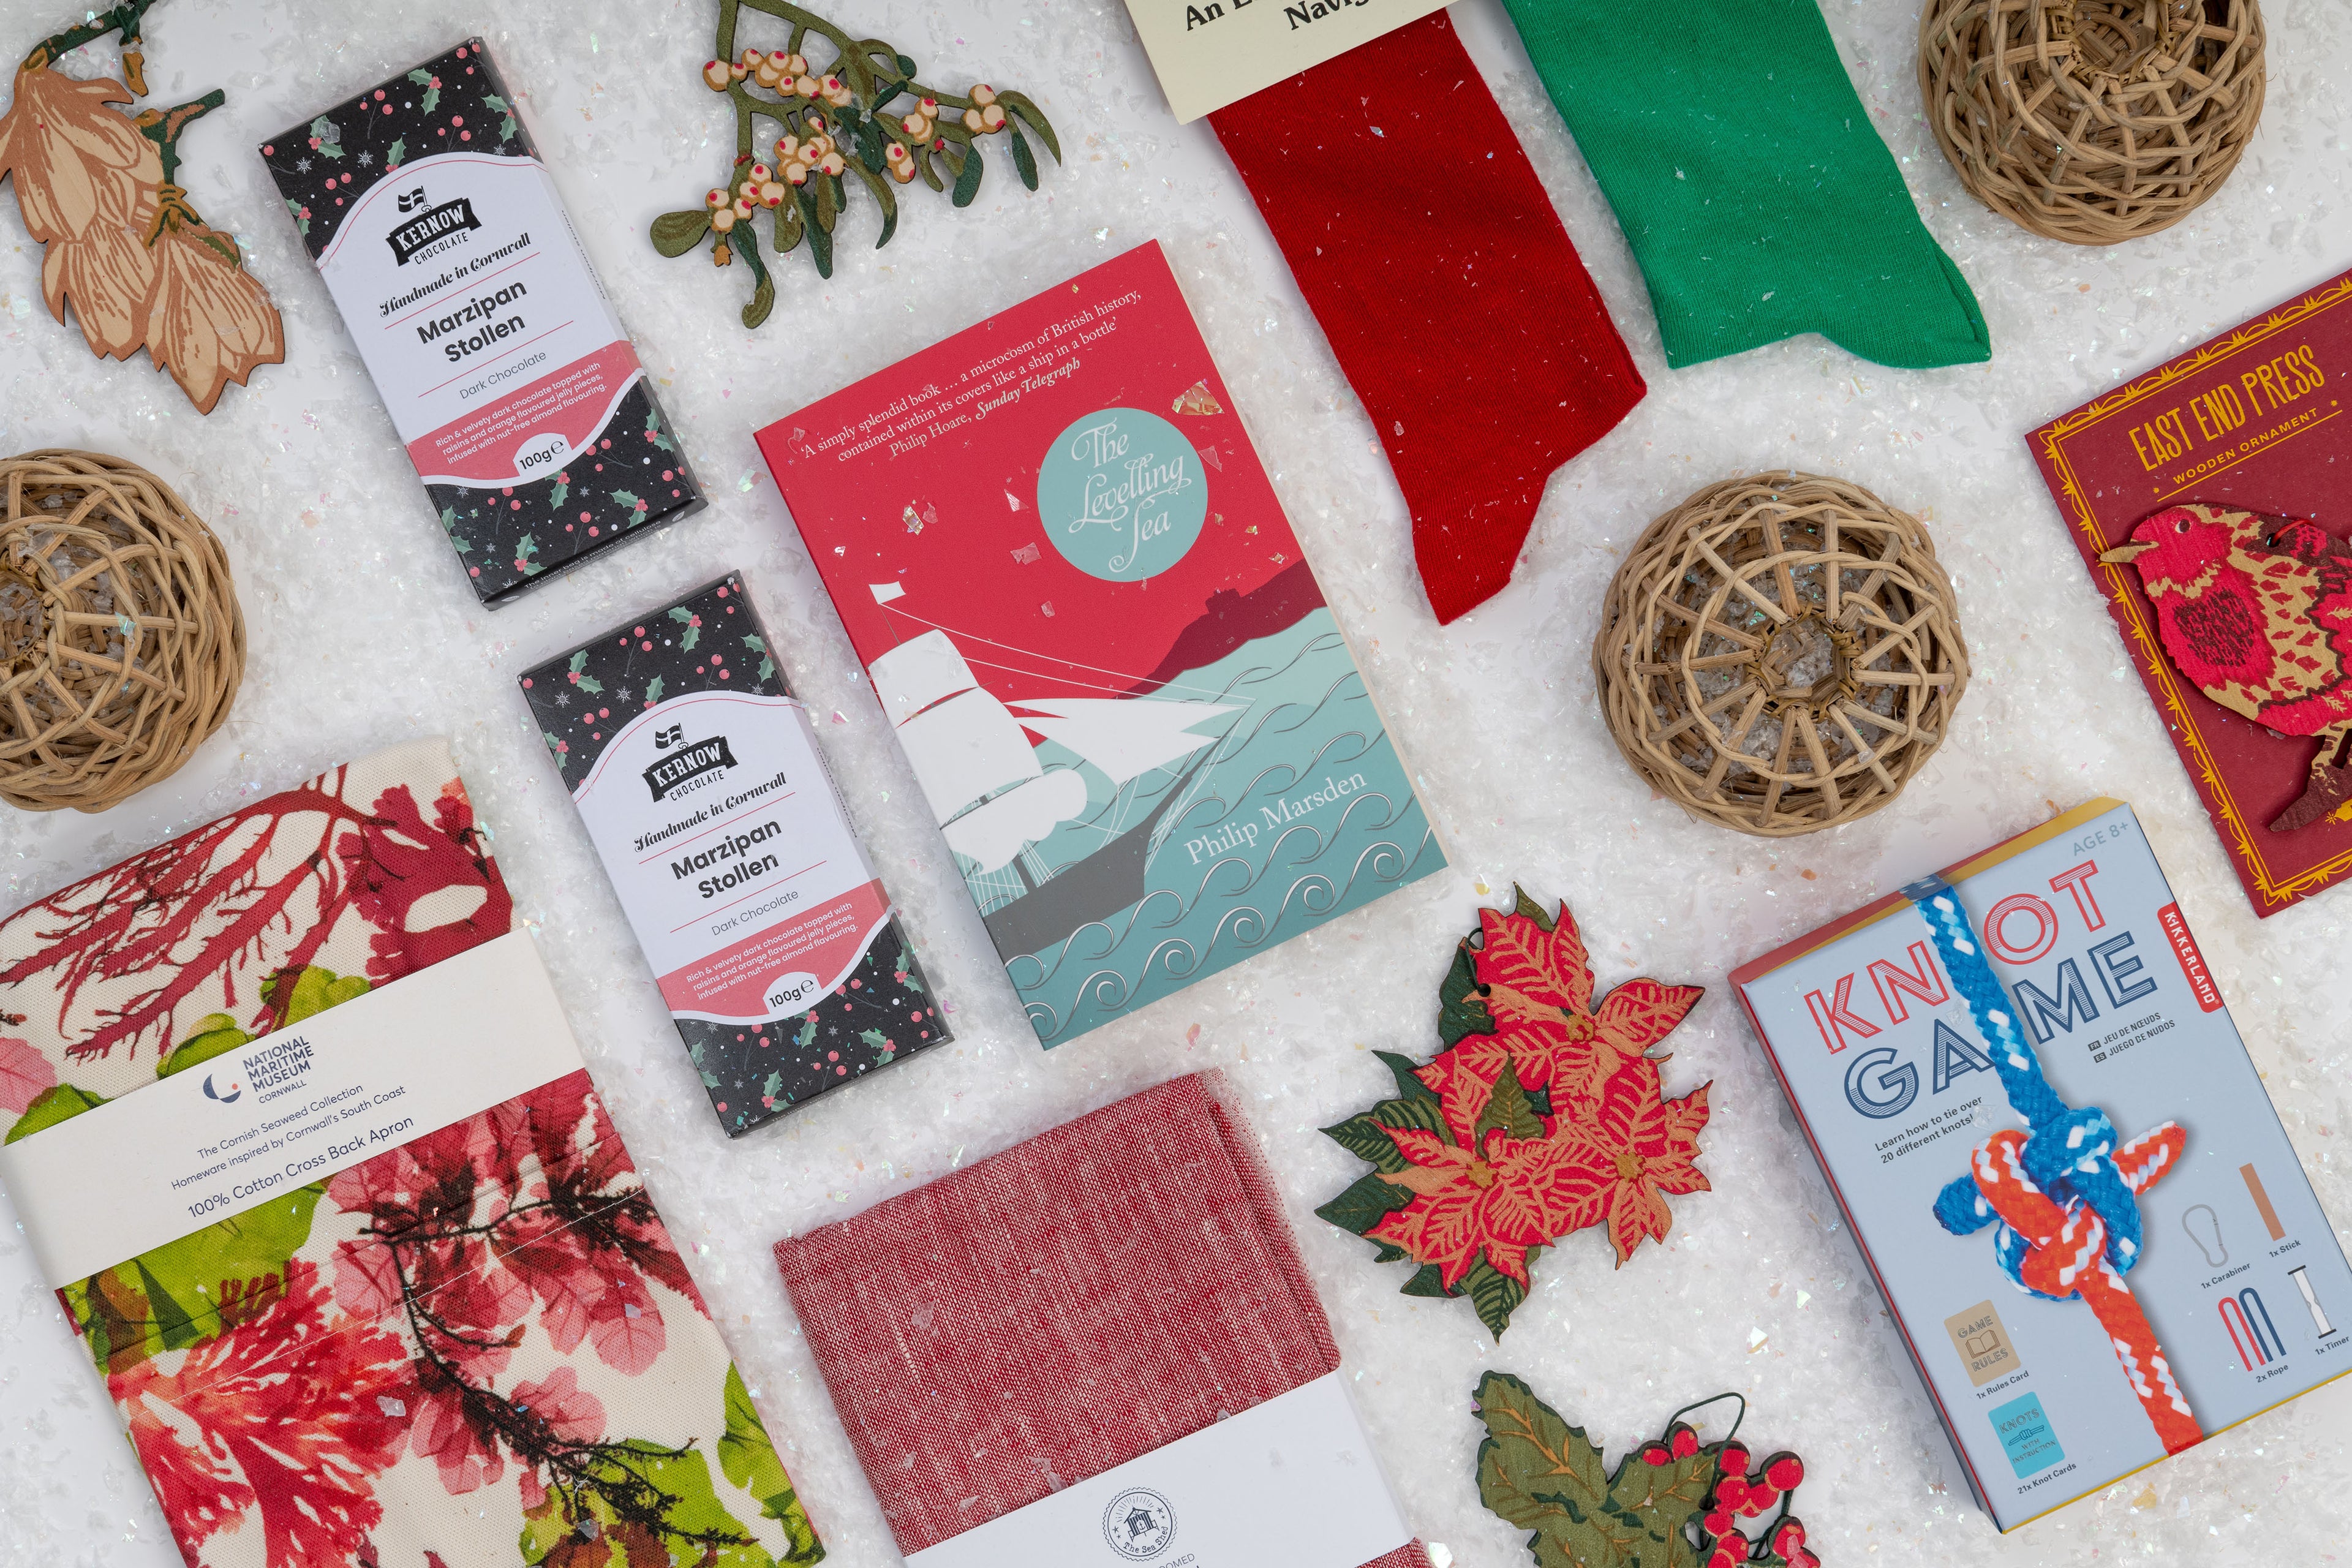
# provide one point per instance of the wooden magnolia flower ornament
(101, 189)
(1672, 1503)
(1543, 1116)
(855, 113)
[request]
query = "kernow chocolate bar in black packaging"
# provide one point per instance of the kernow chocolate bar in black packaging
(444, 242)
(697, 771)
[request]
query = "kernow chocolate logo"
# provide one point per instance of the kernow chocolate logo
(433, 222)
(688, 763)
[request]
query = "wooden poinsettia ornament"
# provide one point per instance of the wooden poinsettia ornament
(100, 188)
(1543, 1116)
(1673, 1502)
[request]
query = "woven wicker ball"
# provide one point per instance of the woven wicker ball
(119, 631)
(1781, 654)
(2092, 121)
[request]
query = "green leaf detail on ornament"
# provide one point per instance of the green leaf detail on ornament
(773, 1087)
(1539, 1473)
(559, 493)
(675, 234)
(432, 99)
(693, 634)
(1363, 1135)
(525, 561)
(492, 101)
(819, 234)
(1510, 1110)
(807, 1037)
(1461, 1010)
(653, 690)
(327, 138)
(1493, 1295)
(294, 210)
(1018, 104)
(880, 1044)
(1365, 1205)
(394, 154)
(587, 683)
(654, 433)
(758, 645)
(1025, 162)
(967, 186)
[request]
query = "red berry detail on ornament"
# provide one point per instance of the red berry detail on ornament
(1785, 1471)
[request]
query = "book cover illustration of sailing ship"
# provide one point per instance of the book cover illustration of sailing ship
(1129, 710)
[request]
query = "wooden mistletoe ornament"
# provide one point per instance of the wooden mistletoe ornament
(853, 116)
(1544, 1115)
(1673, 1502)
(100, 188)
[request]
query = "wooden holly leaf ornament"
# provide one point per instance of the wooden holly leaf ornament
(850, 116)
(126, 248)
(1673, 1502)
(1545, 1475)
(1543, 1116)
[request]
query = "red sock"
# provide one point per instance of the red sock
(1459, 311)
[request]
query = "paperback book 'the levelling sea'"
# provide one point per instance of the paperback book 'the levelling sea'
(1128, 705)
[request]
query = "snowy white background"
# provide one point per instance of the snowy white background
(362, 635)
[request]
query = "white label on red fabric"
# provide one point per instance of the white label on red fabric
(289, 1109)
(1291, 1483)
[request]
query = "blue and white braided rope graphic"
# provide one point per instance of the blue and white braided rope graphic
(2060, 1194)
(2069, 1153)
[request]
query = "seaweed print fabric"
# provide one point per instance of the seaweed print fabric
(478, 1345)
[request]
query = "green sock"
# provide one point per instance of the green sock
(1757, 197)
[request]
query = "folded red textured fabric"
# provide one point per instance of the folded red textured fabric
(1061, 1308)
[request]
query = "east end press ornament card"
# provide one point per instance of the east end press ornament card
(2060, 1163)
(1129, 707)
(2207, 499)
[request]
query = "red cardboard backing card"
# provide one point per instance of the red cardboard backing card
(2223, 423)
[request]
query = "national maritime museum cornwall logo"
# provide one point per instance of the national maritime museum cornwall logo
(1138, 1524)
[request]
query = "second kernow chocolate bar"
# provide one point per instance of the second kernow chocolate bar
(442, 237)
(696, 773)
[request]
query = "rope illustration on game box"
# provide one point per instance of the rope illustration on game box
(2065, 1198)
